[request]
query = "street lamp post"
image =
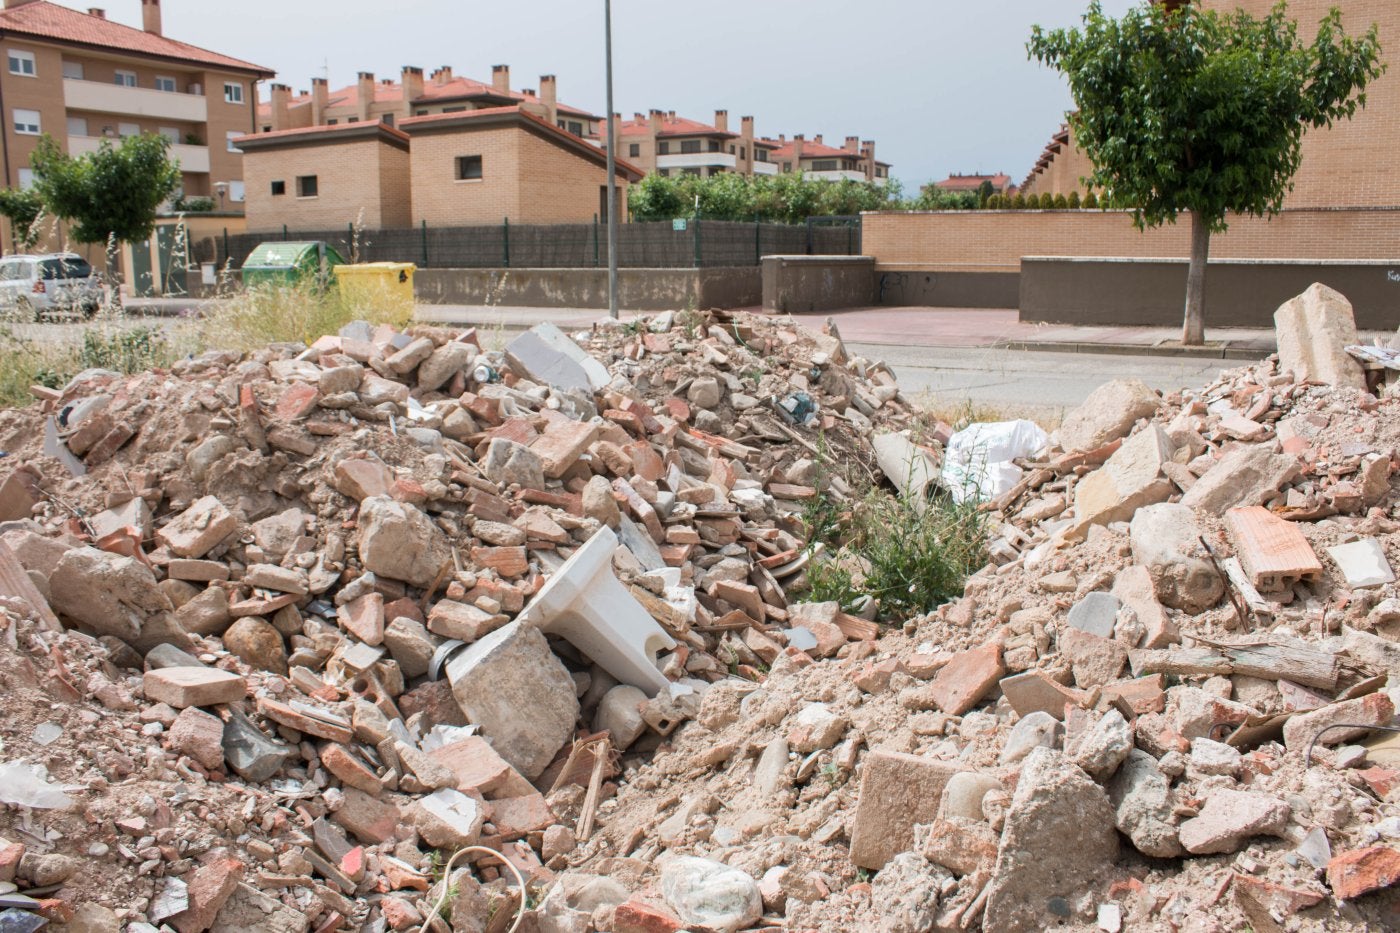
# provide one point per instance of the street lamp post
(612, 169)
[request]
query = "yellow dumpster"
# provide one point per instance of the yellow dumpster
(378, 286)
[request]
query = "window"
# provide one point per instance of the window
(66, 268)
(229, 137)
(279, 188)
(128, 129)
(165, 84)
(576, 127)
(307, 186)
(233, 93)
(663, 148)
(22, 63)
(236, 191)
(690, 145)
(715, 146)
(170, 133)
(387, 119)
(760, 155)
(693, 170)
(77, 126)
(454, 109)
(469, 168)
(332, 122)
(787, 166)
(124, 78)
(420, 113)
(743, 152)
(824, 165)
(26, 179)
(634, 151)
(73, 70)
(27, 123)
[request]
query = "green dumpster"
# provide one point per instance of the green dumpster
(283, 263)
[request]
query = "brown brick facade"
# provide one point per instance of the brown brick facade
(360, 180)
(995, 241)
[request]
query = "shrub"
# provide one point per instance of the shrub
(1060, 203)
(1018, 203)
(1091, 201)
(1074, 200)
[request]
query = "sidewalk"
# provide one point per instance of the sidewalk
(905, 327)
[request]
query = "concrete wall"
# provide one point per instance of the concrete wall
(795, 284)
(1239, 293)
(639, 289)
(941, 289)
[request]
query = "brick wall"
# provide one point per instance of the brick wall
(395, 187)
(225, 118)
(43, 92)
(524, 177)
(348, 176)
(995, 241)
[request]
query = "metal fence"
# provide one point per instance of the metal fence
(677, 245)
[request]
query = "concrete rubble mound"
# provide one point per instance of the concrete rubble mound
(312, 620)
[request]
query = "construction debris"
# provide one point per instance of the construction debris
(286, 632)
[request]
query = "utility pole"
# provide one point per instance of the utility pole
(612, 169)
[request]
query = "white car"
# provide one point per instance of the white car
(35, 285)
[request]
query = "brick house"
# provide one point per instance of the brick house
(389, 101)
(1348, 165)
(448, 169)
(80, 78)
(960, 184)
(662, 142)
(324, 177)
(481, 166)
(855, 160)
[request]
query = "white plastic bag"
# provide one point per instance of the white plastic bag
(28, 785)
(977, 462)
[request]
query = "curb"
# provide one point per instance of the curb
(1208, 352)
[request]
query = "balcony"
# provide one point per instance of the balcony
(102, 97)
(765, 168)
(696, 160)
(839, 175)
(191, 158)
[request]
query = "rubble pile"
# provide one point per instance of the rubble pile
(283, 632)
(1167, 703)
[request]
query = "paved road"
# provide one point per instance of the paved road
(1027, 382)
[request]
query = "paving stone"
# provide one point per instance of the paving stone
(1363, 563)
(897, 791)
(183, 687)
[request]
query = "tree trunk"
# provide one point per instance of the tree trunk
(1193, 331)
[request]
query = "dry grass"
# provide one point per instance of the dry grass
(262, 315)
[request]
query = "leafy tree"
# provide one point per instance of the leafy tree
(22, 208)
(1191, 110)
(985, 191)
(112, 193)
(787, 198)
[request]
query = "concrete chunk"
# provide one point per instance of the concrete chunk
(1107, 414)
(398, 541)
(182, 687)
(1229, 818)
(1246, 475)
(1313, 331)
(199, 529)
(511, 685)
(1131, 479)
(1167, 541)
(108, 593)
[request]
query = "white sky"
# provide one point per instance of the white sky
(941, 85)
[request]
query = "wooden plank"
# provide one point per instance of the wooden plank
(1306, 666)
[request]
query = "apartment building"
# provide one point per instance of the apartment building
(855, 160)
(81, 78)
(388, 101)
(961, 184)
(1346, 165)
(661, 142)
(462, 168)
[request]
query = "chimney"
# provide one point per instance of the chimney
(671, 115)
(639, 118)
(548, 91)
(867, 155)
(320, 99)
(500, 78)
(150, 16)
(656, 117)
(746, 144)
(797, 143)
(442, 76)
(365, 97)
(412, 79)
(281, 107)
(97, 11)
(852, 144)
(722, 120)
(782, 139)
(818, 139)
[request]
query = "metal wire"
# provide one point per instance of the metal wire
(447, 886)
(1307, 758)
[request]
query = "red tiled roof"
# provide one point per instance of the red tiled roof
(814, 150)
(678, 126)
(388, 91)
(973, 182)
(548, 130)
(43, 20)
(346, 129)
